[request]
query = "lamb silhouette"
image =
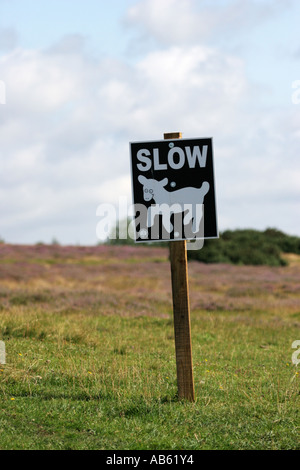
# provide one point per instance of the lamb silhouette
(173, 202)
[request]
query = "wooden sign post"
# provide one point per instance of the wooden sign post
(181, 313)
(170, 178)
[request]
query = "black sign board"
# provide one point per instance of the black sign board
(174, 190)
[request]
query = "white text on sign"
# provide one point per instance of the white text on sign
(176, 158)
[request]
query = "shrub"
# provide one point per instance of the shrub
(249, 247)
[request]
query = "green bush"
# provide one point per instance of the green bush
(249, 247)
(245, 247)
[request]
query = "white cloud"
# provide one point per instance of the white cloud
(184, 22)
(39, 81)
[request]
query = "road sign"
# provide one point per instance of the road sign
(174, 189)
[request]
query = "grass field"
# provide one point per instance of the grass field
(90, 358)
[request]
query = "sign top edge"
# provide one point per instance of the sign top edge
(166, 140)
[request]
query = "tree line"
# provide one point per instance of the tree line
(241, 246)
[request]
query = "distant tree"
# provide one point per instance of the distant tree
(249, 247)
(119, 233)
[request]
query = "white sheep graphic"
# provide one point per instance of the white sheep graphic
(187, 200)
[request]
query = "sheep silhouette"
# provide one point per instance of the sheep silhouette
(186, 200)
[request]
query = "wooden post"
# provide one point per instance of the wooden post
(181, 312)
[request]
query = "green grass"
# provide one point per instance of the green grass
(102, 375)
(110, 383)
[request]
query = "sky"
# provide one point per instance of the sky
(79, 80)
